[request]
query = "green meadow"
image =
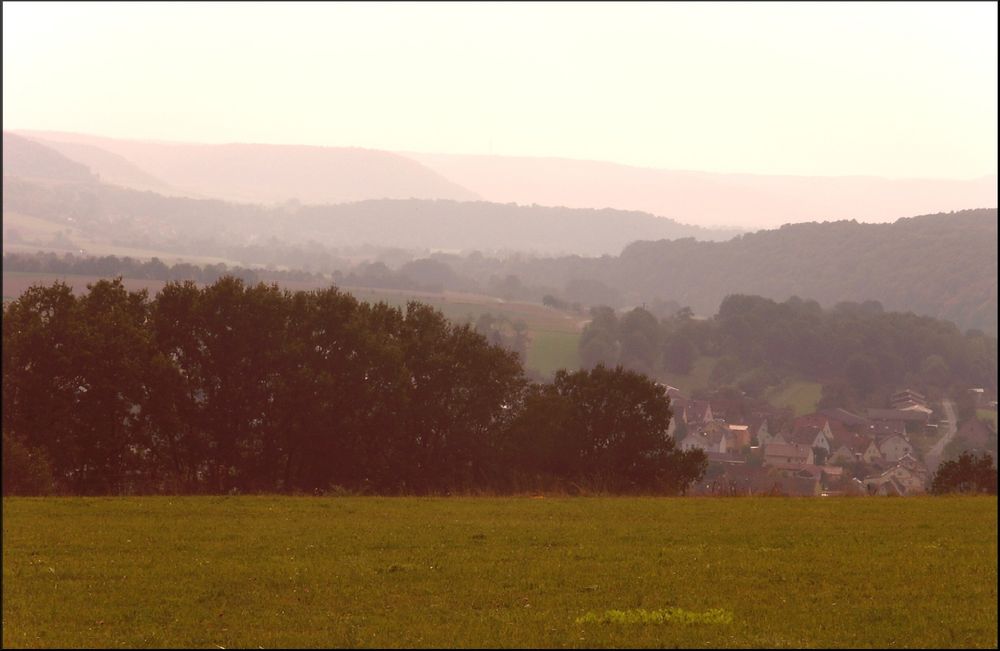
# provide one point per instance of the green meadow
(554, 335)
(550, 351)
(270, 571)
(800, 396)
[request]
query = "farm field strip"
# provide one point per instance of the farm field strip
(454, 305)
(458, 572)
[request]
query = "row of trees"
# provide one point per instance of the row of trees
(153, 269)
(251, 388)
(858, 350)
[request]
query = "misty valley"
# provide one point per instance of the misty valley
(499, 325)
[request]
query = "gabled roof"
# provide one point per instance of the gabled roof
(799, 469)
(892, 487)
(907, 394)
(755, 424)
(844, 417)
(711, 436)
(913, 465)
(809, 420)
(792, 450)
(819, 421)
(890, 472)
(857, 443)
(696, 436)
(804, 435)
(723, 457)
(713, 430)
(897, 414)
(832, 471)
(885, 428)
(695, 410)
(779, 437)
(894, 436)
(914, 406)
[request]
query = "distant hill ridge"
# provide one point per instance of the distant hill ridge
(746, 201)
(269, 173)
(439, 224)
(28, 159)
(111, 168)
(941, 265)
(257, 173)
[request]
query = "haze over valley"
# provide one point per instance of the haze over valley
(492, 325)
(256, 173)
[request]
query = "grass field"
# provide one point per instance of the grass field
(457, 572)
(550, 351)
(459, 306)
(989, 415)
(800, 396)
(555, 335)
(41, 231)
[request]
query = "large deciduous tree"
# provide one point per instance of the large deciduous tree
(969, 473)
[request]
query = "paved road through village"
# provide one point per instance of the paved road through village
(933, 457)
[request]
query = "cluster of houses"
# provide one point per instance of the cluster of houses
(830, 452)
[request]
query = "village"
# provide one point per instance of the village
(891, 450)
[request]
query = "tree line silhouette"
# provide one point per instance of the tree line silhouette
(860, 352)
(250, 388)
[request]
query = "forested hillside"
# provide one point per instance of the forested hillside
(942, 265)
(858, 351)
(212, 227)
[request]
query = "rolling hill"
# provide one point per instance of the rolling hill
(942, 265)
(27, 159)
(256, 173)
(72, 196)
(746, 201)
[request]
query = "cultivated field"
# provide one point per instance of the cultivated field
(458, 572)
(554, 335)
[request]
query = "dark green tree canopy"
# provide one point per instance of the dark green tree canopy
(237, 387)
(969, 473)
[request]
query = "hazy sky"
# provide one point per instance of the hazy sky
(893, 89)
